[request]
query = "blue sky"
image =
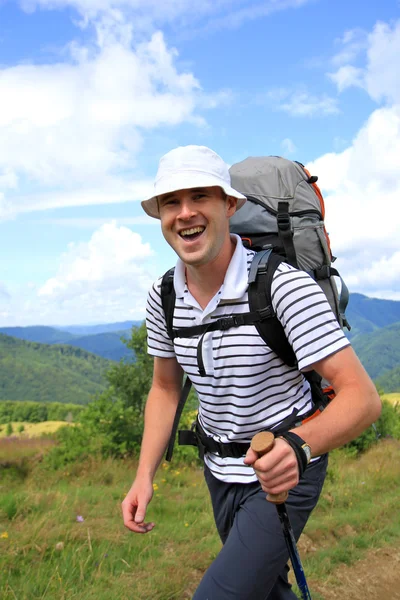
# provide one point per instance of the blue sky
(93, 92)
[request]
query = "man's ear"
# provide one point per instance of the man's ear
(231, 205)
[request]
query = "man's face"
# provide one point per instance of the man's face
(195, 223)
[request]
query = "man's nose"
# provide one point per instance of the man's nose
(187, 210)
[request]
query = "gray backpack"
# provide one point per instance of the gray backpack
(285, 212)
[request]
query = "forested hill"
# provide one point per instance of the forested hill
(107, 343)
(39, 333)
(59, 373)
(367, 315)
(379, 351)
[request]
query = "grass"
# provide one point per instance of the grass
(393, 398)
(96, 558)
(32, 429)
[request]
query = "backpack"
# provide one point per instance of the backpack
(283, 220)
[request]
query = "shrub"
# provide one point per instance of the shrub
(388, 425)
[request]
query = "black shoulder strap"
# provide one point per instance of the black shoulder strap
(260, 300)
(168, 298)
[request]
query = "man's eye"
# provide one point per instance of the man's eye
(198, 196)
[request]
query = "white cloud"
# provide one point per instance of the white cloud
(362, 190)
(210, 14)
(112, 254)
(93, 222)
(3, 291)
(347, 76)
(75, 125)
(288, 146)
(362, 183)
(104, 279)
(301, 103)
(112, 191)
(379, 77)
(352, 43)
(65, 121)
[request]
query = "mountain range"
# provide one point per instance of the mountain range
(67, 364)
(103, 340)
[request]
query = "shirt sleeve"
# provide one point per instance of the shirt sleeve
(158, 342)
(306, 316)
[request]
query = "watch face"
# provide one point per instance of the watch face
(307, 451)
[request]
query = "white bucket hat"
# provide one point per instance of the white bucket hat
(188, 167)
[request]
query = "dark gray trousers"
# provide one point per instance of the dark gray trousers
(252, 564)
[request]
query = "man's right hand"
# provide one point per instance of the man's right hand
(135, 504)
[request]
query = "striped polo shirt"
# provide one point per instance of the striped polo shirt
(247, 388)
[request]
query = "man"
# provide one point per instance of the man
(242, 386)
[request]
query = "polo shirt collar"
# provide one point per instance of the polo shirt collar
(235, 282)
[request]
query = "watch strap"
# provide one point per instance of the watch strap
(297, 444)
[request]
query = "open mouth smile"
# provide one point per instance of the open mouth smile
(192, 233)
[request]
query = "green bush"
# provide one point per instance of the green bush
(37, 412)
(388, 425)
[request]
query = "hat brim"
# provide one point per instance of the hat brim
(179, 182)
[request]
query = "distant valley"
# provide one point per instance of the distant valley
(68, 364)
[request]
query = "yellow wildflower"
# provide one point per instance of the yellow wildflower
(4, 535)
(155, 486)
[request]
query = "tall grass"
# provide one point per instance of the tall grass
(47, 552)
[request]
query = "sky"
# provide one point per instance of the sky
(94, 92)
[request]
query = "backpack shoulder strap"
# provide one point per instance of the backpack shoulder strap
(270, 329)
(168, 298)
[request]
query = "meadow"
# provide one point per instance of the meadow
(62, 537)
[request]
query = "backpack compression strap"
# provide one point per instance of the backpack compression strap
(285, 233)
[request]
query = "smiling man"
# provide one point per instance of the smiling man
(243, 387)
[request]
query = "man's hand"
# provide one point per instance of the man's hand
(278, 470)
(135, 504)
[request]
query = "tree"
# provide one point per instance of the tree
(131, 382)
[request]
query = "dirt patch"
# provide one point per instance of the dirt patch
(376, 577)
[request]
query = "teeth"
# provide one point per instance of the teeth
(192, 230)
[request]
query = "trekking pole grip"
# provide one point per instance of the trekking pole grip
(262, 443)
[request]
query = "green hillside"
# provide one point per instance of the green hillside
(379, 351)
(389, 382)
(42, 373)
(367, 315)
(108, 345)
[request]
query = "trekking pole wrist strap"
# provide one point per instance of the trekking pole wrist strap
(301, 449)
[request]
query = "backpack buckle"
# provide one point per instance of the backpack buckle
(283, 220)
(228, 322)
(323, 272)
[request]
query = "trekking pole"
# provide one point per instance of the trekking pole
(262, 443)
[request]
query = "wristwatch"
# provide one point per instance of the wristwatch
(307, 451)
(300, 443)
